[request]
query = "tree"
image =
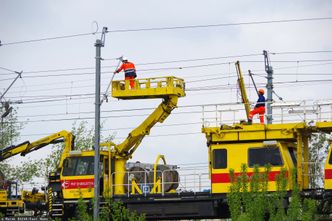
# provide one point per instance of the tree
(10, 131)
(318, 150)
(84, 140)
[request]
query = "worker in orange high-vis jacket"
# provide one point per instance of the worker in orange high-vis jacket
(129, 70)
(259, 108)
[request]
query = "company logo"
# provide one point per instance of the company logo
(75, 184)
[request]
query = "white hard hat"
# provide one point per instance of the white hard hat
(124, 59)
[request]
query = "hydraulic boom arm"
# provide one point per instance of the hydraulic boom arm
(27, 147)
(245, 99)
(130, 144)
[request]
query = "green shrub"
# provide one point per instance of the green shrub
(249, 199)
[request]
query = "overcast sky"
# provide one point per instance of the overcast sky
(38, 19)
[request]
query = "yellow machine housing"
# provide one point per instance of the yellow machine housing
(328, 170)
(10, 201)
(281, 145)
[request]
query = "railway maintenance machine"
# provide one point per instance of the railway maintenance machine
(153, 188)
(281, 145)
(74, 178)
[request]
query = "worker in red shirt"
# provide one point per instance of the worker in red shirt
(129, 70)
(259, 108)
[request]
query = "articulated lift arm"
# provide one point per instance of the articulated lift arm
(245, 99)
(168, 88)
(27, 147)
(135, 137)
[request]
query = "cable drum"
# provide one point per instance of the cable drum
(139, 174)
(170, 176)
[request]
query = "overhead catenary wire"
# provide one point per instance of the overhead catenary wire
(159, 62)
(168, 28)
(140, 109)
(201, 77)
(139, 64)
(130, 115)
(177, 68)
(199, 88)
(9, 70)
(47, 39)
(301, 52)
(172, 61)
(174, 124)
(221, 25)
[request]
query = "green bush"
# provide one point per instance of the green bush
(112, 211)
(249, 199)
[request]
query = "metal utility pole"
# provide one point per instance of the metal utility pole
(19, 75)
(269, 86)
(99, 43)
(253, 82)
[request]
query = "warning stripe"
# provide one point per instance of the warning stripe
(328, 174)
(225, 178)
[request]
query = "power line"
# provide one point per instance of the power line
(170, 134)
(177, 68)
(7, 69)
(173, 68)
(47, 39)
(124, 110)
(201, 78)
(199, 59)
(139, 64)
(220, 25)
(168, 28)
(90, 86)
(200, 88)
(301, 52)
(297, 66)
(304, 74)
(125, 128)
(302, 61)
(172, 61)
(104, 117)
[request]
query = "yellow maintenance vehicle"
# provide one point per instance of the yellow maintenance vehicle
(74, 178)
(30, 200)
(10, 200)
(281, 145)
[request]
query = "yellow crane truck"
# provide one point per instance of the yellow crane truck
(74, 177)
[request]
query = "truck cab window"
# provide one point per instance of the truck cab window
(220, 159)
(78, 166)
(264, 156)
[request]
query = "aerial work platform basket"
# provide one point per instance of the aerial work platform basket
(160, 87)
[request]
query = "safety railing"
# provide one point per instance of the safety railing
(149, 88)
(191, 180)
(282, 112)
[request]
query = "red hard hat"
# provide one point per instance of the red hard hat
(261, 91)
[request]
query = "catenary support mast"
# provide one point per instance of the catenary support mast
(99, 43)
(269, 86)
